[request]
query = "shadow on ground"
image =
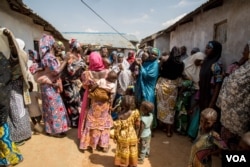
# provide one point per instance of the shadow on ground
(104, 160)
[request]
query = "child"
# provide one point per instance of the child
(146, 109)
(207, 142)
(125, 133)
(183, 105)
(34, 110)
(104, 89)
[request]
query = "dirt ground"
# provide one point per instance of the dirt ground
(45, 151)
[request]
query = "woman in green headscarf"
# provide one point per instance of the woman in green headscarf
(146, 82)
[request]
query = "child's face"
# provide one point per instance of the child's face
(143, 109)
(206, 123)
(111, 78)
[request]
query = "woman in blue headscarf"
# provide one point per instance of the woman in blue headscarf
(146, 82)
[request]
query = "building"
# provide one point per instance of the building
(226, 21)
(25, 24)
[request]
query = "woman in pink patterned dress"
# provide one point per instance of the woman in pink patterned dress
(95, 118)
(54, 112)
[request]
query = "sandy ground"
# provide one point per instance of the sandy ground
(44, 151)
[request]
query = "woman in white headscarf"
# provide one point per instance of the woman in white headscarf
(18, 121)
(192, 67)
(9, 153)
(121, 66)
(192, 72)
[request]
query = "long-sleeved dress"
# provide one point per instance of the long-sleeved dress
(126, 138)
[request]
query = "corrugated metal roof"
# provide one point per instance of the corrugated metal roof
(103, 39)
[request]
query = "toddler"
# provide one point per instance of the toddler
(125, 133)
(104, 89)
(207, 141)
(146, 109)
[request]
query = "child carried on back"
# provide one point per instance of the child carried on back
(104, 89)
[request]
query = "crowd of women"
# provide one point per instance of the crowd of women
(122, 97)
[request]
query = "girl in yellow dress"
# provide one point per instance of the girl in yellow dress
(126, 129)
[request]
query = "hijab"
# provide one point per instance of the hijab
(20, 43)
(74, 44)
(96, 62)
(46, 43)
(191, 70)
(173, 67)
(131, 57)
(206, 74)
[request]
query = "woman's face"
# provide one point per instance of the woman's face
(145, 56)
(114, 57)
(120, 59)
(209, 50)
(152, 57)
(198, 62)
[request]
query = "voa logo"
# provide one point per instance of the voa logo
(236, 158)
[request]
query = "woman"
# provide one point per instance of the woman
(10, 154)
(70, 79)
(19, 121)
(121, 66)
(210, 76)
(233, 100)
(192, 73)
(95, 119)
(131, 57)
(167, 89)
(55, 115)
(148, 75)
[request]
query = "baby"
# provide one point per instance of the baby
(105, 88)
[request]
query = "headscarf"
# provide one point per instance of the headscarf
(191, 70)
(152, 50)
(155, 51)
(206, 75)
(131, 57)
(46, 43)
(73, 44)
(22, 59)
(20, 43)
(111, 56)
(96, 62)
(173, 67)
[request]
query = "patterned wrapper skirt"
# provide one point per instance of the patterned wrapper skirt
(19, 120)
(9, 153)
(166, 94)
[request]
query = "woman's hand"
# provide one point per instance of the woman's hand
(138, 61)
(6, 32)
